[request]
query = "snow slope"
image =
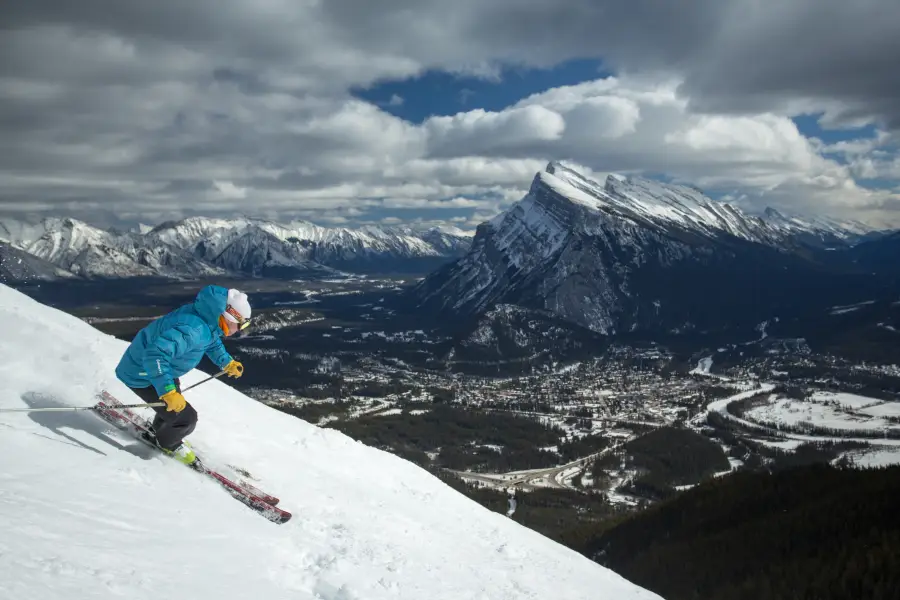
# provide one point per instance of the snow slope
(87, 513)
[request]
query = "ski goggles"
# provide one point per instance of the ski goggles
(240, 323)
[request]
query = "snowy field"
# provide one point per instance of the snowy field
(720, 406)
(87, 513)
(879, 457)
(703, 366)
(851, 401)
(786, 411)
(887, 409)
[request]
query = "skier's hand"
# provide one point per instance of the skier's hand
(174, 400)
(234, 369)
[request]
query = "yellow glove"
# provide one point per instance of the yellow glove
(174, 400)
(234, 369)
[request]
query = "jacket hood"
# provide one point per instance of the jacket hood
(210, 303)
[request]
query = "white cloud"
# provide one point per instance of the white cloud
(876, 167)
(452, 203)
(229, 190)
(220, 106)
(494, 133)
(764, 155)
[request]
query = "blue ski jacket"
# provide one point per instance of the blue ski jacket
(175, 343)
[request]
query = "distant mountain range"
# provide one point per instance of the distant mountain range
(632, 254)
(200, 247)
(624, 255)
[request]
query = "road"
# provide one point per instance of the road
(558, 477)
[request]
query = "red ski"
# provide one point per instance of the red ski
(143, 424)
(111, 410)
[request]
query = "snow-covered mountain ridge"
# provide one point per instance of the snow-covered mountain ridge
(197, 247)
(629, 254)
(670, 205)
(87, 512)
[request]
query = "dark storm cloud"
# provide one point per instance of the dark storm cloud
(831, 54)
(150, 103)
(735, 55)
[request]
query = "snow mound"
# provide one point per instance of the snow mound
(88, 513)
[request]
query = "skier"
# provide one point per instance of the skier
(171, 346)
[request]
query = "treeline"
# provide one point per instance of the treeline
(580, 447)
(312, 412)
(295, 375)
(561, 515)
(458, 436)
(808, 428)
(852, 381)
(664, 458)
(379, 389)
(772, 459)
(739, 407)
(440, 395)
(870, 385)
(760, 456)
(816, 532)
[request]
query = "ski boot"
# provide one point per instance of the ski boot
(183, 454)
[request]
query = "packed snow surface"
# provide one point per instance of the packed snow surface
(86, 512)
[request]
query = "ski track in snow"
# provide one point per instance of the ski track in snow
(86, 512)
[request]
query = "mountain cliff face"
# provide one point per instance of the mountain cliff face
(19, 266)
(628, 255)
(198, 247)
(510, 339)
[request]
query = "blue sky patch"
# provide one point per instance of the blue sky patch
(810, 127)
(441, 93)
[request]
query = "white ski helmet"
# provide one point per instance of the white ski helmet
(237, 309)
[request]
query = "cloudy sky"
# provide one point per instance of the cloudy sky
(351, 111)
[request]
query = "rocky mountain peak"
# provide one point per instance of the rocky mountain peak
(625, 254)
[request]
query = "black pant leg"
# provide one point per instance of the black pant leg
(176, 427)
(171, 428)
